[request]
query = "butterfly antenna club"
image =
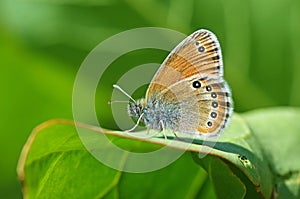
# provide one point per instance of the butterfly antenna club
(124, 92)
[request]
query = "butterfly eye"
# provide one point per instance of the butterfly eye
(201, 49)
(137, 109)
(196, 84)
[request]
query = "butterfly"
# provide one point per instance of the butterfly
(188, 93)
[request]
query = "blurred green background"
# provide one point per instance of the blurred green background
(42, 44)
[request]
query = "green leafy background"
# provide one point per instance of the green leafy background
(44, 42)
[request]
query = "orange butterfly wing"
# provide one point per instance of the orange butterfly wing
(196, 60)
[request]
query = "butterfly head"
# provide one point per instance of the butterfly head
(136, 108)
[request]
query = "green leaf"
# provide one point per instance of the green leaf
(240, 164)
(55, 164)
(277, 130)
(219, 173)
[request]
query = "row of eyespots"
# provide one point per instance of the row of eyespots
(214, 104)
(197, 84)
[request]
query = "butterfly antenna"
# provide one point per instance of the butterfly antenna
(116, 101)
(124, 92)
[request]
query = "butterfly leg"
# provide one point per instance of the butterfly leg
(178, 138)
(137, 123)
(175, 135)
(163, 129)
